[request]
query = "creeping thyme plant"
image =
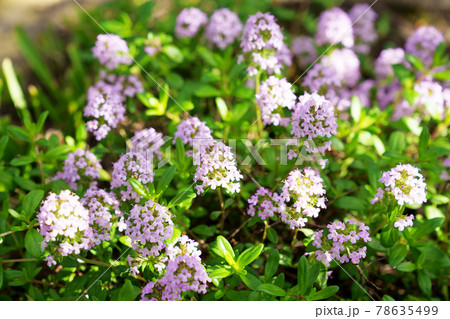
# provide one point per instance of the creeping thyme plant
(231, 150)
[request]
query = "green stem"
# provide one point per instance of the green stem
(294, 238)
(222, 207)
(266, 225)
(94, 262)
(6, 261)
(258, 109)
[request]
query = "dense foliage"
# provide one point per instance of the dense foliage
(218, 153)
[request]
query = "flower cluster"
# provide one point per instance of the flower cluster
(135, 165)
(184, 272)
(105, 106)
(81, 168)
(64, 224)
(148, 142)
(260, 41)
(302, 194)
(444, 174)
(344, 242)
(335, 26)
(216, 167)
(189, 22)
(386, 59)
(404, 183)
(264, 203)
(404, 221)
(223, 27)
(274, 95)
(363, 19)
(346, 65)
(423, 42)
(101, 204)
(148, 227)
(313, 119)
(192, 130)
(303, 48)
(430, 98)
(111, 50)
(127, 85)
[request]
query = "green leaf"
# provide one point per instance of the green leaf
(424, 282)
(223, 109)
(15, 91)
(314, 272)
(3, 142)
(415, 61)
(355, 109)
(423, 141)
(173, 53)
(442, 75)
(183, 195)
(249, 255)
(272, 235)
(389, 237)
(427, 227)
(31, 202)
(323, 294)
(207, 90)
(350, 203)
(33, 243)
(225, 250)
(303, 275)
(165, 179)
(272, 264)
(128, 292)
(32, 55)
(22, 161)
(139, 188)
(180, 153)
(16, 215)
(439, 54)
(1, 276)
(272, 290)
(220, 273)
(207, 56)
(406, 267)
(19, 133)
(397, 255)
(250, 281)
(402, 72)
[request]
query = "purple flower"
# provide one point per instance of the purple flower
(189, 22)
(321, 79)
(302, 195)
(260, 41)
(111, 50)
(430, 98)
(386, 59)
(148, 142)
(184, 272)
(101, 205)
(135, 165)
(148, 227)
(81, 168)
(274, 95)
(303, 48)
(346, 64)
(224, 26)
(404, 221)
(363, 19)
(105, 106)
(192, 129)
(264, 203)
(313, 117)
(405, 184)
(64, 224)
(334, 27)
(423, 43)
(216, 167)
(344, 242)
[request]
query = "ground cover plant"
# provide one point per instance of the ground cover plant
(217, 153)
